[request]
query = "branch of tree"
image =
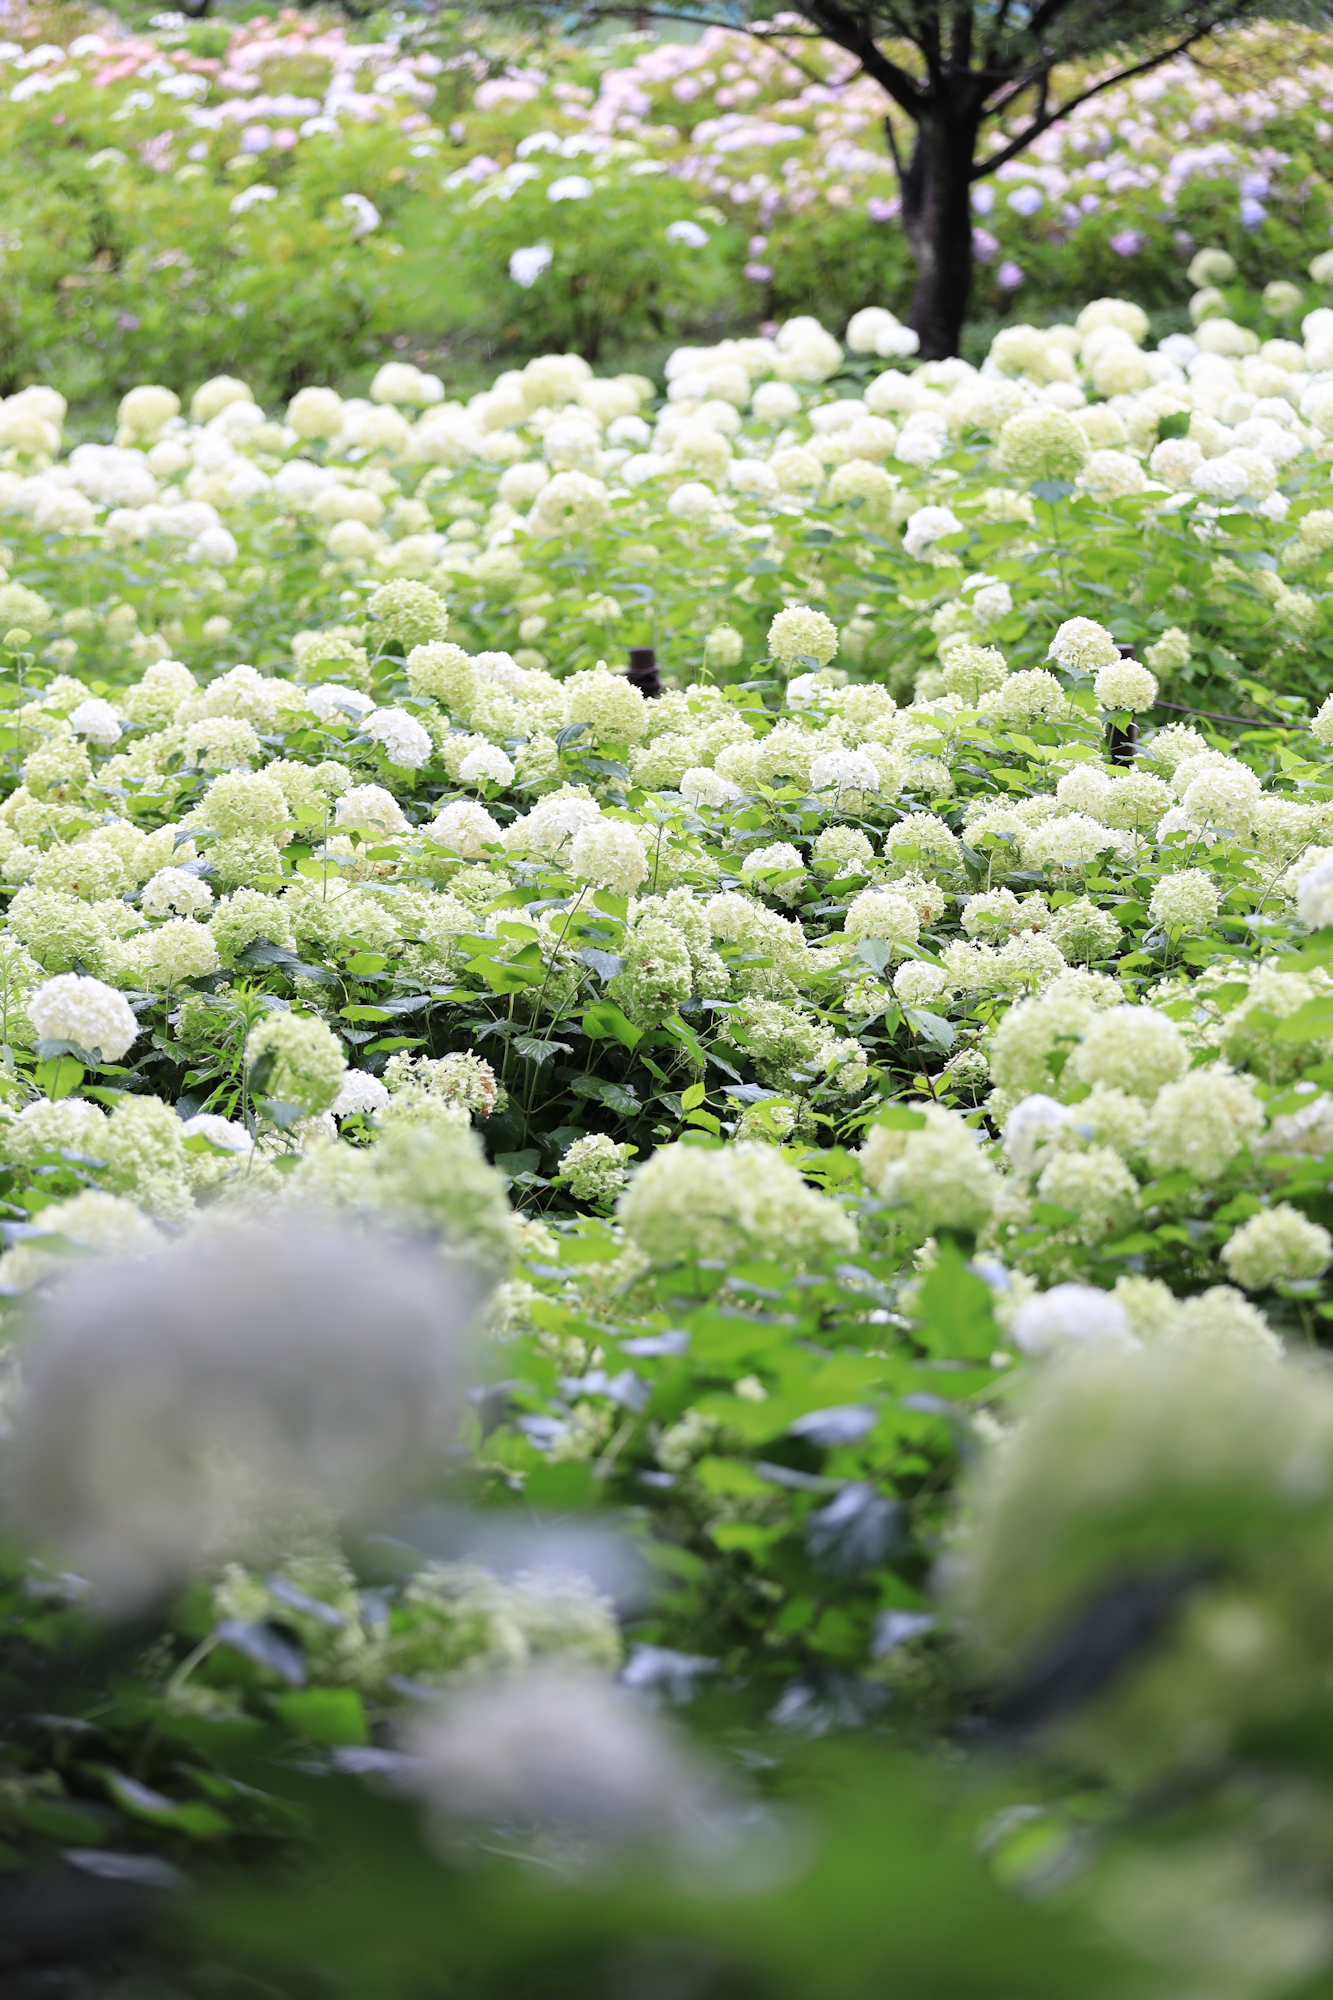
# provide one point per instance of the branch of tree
(1052, 117)
(851, 34)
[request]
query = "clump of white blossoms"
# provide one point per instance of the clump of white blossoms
(296, 1059)
(798, 633)
(1082, 646)
(1070, 1315)
(400, 736)
(566, 1750)
(193, 1405)
(1314, 896)
(1124, 684)
(92, 1015)
(1187, 899)
(594, 1167)
(1279, 1245)
(737, 1202)
(609, 853)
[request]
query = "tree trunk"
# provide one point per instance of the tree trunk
(937, 221)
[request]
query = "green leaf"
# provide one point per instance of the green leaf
(360, 1013)
(1176, 425)
(141, 1802)
(335, 1716)
(604, 1022)
(693, 1096)
(954, 1309)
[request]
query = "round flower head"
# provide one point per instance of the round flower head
(1185, 900)
(486, 765)
(800, 633)
(444, 673)
(737, 1202)
(1033, 1130)
(175, 892)
(408, 614)
(1083, 932)
(611, 706)
(926, 527)
(1134, 1049)
(1314, 896)
(594, 1167)
(918, 983)
(1171, 652)
(723, 647)
(701, 786)
(1221, 797)
(1125, 685)
(1096, 1187)
(270, 1403)
(844, 771)
(466, 829)
(142, 412)
(1071, 1315)
(401, 737)
(878, 913)
(1083, 646)
(843, 850)
(1043, 443)
(570, 504)
(971, 671)
(780, 857)
(316, 413)
(1279, 1245)
(95, 1017)
(97, 721)
(936, 1177)
(179, 949)
(296, 1059)
(359, 1093)
(610, 853)
(369, 809)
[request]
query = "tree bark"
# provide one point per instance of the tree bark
(937, 221)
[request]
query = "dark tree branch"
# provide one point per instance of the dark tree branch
(1053, 117)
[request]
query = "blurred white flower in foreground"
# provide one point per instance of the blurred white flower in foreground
(190, 1405)
(564, 1750)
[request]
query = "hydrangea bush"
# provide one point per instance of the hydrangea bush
(902, 1037)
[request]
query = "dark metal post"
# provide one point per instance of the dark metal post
(1123, 744)
(643, 672)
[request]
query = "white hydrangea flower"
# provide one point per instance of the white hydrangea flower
(486, 764)
(465, 828)
(926, 527)
(1125, 685)
(1071, 1315)
(1083, 646)
(72, 1008)
(918, 983)
(402, 737)
(798, 632)
(1032, 1128)
(1279, 1245)
(703, 787)
(175, 892)
(1187, 899)
(1314, 896)
(844, 771)
(361, 1092)
(97, 720)
(609, 853)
